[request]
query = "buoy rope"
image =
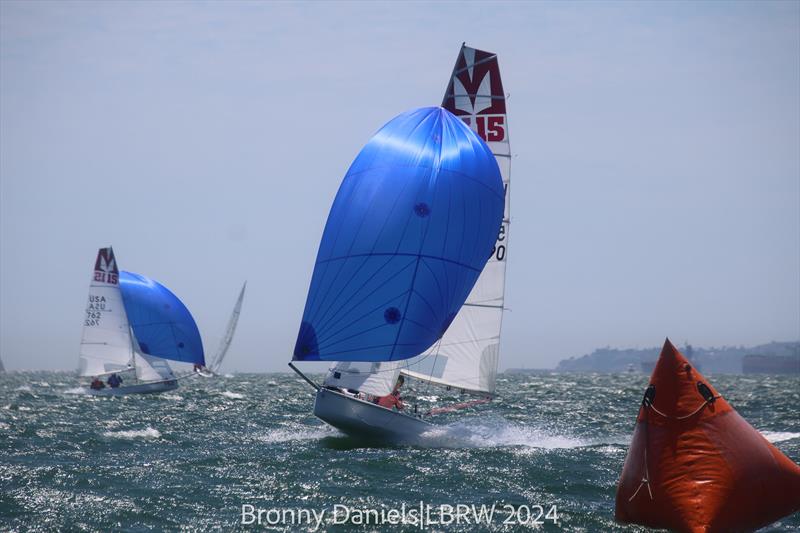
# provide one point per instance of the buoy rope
(700, 408)
(646, 479)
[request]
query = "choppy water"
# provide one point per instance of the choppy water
(191, 458)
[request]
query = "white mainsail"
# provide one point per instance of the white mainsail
(106, 342)
(230, 330)
(466, 358)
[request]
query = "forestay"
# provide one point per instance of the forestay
(467, 356)
(106, 342)
(409, 232)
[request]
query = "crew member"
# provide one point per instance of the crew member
(393, 399)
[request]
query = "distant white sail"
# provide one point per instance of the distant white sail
(106, 342)
(467, 356)
(2, 368)
(230, 330)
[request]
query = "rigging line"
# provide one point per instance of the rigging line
(477, 95)
(354, 240)
(352, 192)
(466, 304)
(335, 299)
(404, 254)
(405, 310)
(326, 327)
(433, 367)
(387, 302)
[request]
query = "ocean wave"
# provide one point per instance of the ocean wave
(76, 390)
(147, 433)
(779, 436)
(233, 395)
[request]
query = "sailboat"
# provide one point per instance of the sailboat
(133, 326)
(213, 368)
(2, 368)
(411, 267)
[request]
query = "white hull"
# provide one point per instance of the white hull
(139, 388)
(362, 419)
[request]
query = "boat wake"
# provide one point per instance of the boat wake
(147, 433)
(498, 433)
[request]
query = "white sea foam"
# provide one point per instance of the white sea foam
(779, 436)
(174, 397)
(233, 395)
(286, 435)
(147, 433)
(228, 376)
(497, 433)
(23, 388)
(76, 390)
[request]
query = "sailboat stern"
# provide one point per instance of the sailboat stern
(361, 419)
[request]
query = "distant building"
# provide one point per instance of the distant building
(771, 364)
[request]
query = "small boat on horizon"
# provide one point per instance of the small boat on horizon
(133, 326)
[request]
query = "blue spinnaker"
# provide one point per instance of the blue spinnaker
(410, 230)
(161, 323)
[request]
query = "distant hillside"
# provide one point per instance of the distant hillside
(724, 360)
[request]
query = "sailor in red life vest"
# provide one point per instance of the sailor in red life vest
(393, 399)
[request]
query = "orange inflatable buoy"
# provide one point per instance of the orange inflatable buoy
(695, 465)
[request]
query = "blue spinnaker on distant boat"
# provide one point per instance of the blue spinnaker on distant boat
(410, 230)
(162, 325)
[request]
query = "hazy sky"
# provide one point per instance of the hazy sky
(656, 182)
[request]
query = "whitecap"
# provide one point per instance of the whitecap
(147, 433)
(175, 397)
(76, 390)
(286, 435)
(233, 395)
(779, 436)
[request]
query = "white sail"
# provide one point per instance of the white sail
(2, 368)
(229, 331)
(106, 342)
(150, 368)
(467, 356)
(377, 379)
